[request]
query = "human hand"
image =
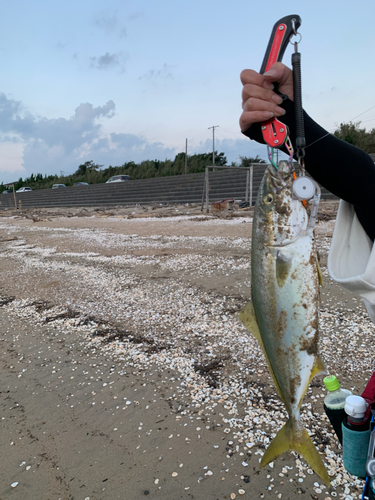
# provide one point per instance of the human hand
(259, 102)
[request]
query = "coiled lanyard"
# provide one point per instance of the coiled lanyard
(297, 94)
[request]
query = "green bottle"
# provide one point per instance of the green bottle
(334, 403)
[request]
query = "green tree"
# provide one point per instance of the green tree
(19, 184)
(246, 161)
(88, 166)
(359, 137)
(178, 165)
(198, 162)
(93, 173)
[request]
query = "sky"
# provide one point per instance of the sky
(115, 81)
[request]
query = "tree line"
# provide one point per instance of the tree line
(93, 173)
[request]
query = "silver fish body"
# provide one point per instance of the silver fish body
(284, 311)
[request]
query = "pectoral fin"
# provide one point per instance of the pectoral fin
(283, 266)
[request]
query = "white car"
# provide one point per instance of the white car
(57, 186)
(118, 178)
(23, 190)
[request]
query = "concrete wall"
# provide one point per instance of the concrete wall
(229, 183)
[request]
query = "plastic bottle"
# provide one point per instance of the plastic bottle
(334, 403)
(355, 436)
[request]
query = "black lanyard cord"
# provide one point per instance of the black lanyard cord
(297, 91)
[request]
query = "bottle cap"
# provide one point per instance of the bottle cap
(331, 383)
(355, 406)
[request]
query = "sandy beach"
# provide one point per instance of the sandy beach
(127, 374)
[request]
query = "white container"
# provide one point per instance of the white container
(355, 408)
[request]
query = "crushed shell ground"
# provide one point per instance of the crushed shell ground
(158, 296)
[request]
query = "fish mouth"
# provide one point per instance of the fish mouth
(277, 180)
(280, 177)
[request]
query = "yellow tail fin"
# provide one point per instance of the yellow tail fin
(293, 437)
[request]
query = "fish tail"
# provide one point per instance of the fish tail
(293, 437)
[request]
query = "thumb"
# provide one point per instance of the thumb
(278, 72)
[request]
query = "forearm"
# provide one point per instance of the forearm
(343, 169)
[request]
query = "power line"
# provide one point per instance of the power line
(233, 133)
(368, 120)
(372, 107)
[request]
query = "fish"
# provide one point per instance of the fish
(283, 313)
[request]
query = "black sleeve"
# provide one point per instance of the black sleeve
(343, 169)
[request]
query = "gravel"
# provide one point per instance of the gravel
(169, 301)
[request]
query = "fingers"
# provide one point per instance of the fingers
(258, 110)
(251, 91)
(283, 76)
(259, 102)
(254, 104)
(279, 73)
(251, 76)
(248, 117)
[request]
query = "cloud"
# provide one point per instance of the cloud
(73, 131)
(234, 148)
(37, 144)
(8, 109)
(109, 23)
(50, 144)
(135, 15)
(109, 61)
(128, 140)
(11, 160)
(130, 147)
(33, 144)
(86, 112)
(156, 74)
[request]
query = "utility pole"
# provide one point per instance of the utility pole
(213, 143)
(186, 158)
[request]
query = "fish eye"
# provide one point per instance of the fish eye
(268, 199)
